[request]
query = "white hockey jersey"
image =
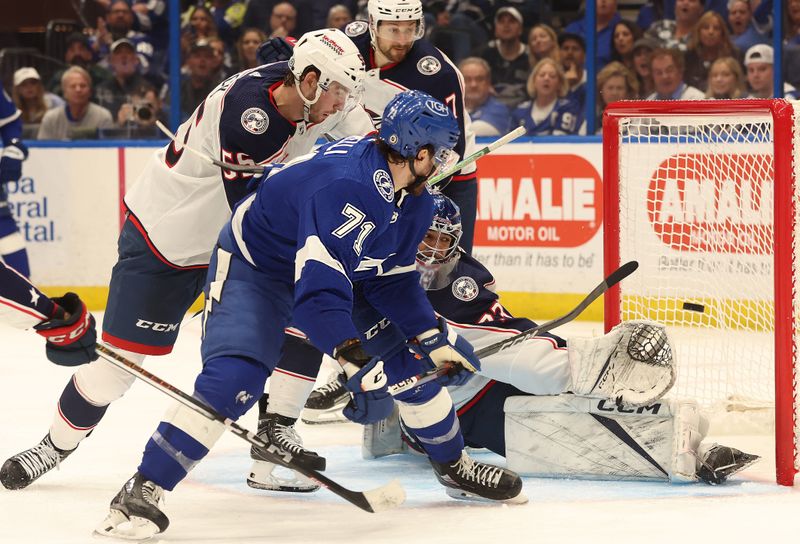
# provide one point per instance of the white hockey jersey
(182, 201)
(425, 68)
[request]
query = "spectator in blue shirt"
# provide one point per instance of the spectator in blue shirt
(743, 32)
(490, 117)
(607, 19)
(549, 111)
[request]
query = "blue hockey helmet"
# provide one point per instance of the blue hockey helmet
(441, 241)
(414, 119)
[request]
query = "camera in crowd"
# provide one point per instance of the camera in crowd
(143, 112)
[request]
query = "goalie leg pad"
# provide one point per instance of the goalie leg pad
(568, 436)
(633, 364)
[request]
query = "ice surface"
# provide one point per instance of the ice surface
(215, 506)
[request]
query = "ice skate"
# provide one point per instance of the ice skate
(721, 462)
(279, 431)
(271, 477)
(26, 467)
(469, 479)
(325, 404)
(135, 512)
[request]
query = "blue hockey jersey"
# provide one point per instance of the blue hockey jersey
(566, 117)
(328, 220)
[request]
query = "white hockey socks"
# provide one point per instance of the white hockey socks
(633, 364)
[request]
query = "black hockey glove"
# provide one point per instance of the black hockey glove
(11, 161)
(275, 50)
(70, 341)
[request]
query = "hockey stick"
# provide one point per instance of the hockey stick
(503, 140)
(374, 500)
(614, 278)
(251, 169)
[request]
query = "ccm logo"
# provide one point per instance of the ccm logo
(158, 327)
(68, 338)
(621, 409)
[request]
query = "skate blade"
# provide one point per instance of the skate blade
(118, 526)
(263, 476)
(323, 417)
(386, 497)
(462, 495)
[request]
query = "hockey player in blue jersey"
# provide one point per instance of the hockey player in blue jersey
(13, 152)
(351, 214)
(529, 381)
(180, 202)
(397, 58)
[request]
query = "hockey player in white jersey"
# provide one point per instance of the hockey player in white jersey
(516, 406)
(351, 214)
(398, 57)
(180, 202)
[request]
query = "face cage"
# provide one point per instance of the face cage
(429, 255)
(435, 276)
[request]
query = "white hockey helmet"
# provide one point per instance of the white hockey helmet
(395, 10)
(336, 57)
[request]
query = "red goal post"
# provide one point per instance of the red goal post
(704, 194)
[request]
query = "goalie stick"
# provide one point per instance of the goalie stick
(614, 278)
(375, 500)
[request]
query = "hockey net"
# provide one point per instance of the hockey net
(705, 195)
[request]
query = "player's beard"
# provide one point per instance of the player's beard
(396, 53)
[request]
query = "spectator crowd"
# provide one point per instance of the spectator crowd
(523, 62)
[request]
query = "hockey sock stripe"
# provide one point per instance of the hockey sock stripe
(293, 375)
(617, 430)
(76, 410)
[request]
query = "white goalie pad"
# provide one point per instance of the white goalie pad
(633, 364)
(568, 436)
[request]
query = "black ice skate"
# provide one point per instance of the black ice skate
(279, 431)
(721, 462)
(135, 512)
(26, 467)
(325, 404)
(469, 479)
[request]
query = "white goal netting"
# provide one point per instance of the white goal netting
(696, 198)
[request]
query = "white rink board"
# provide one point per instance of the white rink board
(81, 187)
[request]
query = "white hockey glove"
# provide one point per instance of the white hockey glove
(632, 365)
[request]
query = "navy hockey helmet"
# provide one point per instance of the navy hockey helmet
(414, 119)
(441, 241)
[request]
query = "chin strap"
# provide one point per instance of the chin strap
(418, 180)
(306, 102)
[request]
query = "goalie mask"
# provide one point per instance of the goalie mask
(437, 254)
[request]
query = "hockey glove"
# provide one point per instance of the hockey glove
(371, 400)
(440, 346)
(70, 341)
(11, 161)
(275, 50)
